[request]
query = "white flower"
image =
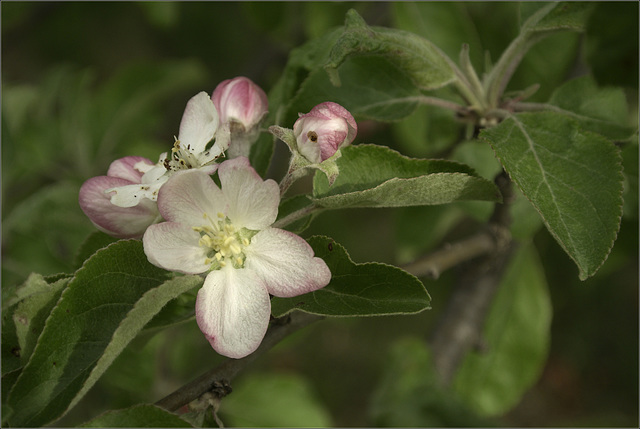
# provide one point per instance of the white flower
(191, 150)
(121, 222)
(227, 232)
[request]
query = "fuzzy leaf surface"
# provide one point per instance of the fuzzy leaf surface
(376, 176)
(139, 416)
(424, 63)
(103, 307)
(370, 289)
(601, 110)
(572, 177)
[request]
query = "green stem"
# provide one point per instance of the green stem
(439, 102)
(291, 177)
(294, 216)
(497, 80)
(466, 89)
(472, 76)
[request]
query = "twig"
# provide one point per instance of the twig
(226, 371)
(434, 264)
(460, 326)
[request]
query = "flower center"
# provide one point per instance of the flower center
(181, 158)
(224, 241)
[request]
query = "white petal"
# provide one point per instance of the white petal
(223, 138)
(232, 310)
(121, 222)
(189, 195)
(155, 173)
(174, 247)
(286, 263)
(253, 203)
(133, 194)
(129, 168)
(199, 123)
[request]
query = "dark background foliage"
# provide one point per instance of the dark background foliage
(86, 82)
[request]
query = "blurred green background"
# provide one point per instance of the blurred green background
(84, 83)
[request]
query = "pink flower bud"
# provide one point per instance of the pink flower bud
(240, 101)
(121, 222)
(324, 130)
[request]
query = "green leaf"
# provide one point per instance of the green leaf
(31, 313)
(428, 132)
(372, 87)
(34, 284)
(630, 159)
(292, 205)
(573, 178)
(525, 220)
(370, 289)
(448, 24)
(517, 336)
(143, 311)
(376, 176)
(274, 400)
(10, 346)
(179, 310)
(410, 394)
(601, 110)
(104, 306)
(54, 209)
(94, 242)
(379, 76)
(24, 312)
(139, 416)
(426, 65)
(563, 16)
(549, 19)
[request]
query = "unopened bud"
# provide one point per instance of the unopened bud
(325, 129)
(241, 103)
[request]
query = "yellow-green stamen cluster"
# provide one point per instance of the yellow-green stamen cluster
(225, 242)
(181, 158)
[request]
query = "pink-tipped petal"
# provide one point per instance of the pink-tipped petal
(189, 195)
(232, 310)
(331, 110)
(240, 100)
(174, 247)
(325, 129)
(120, 222)
(286, 263)
(199, 123)
(253, 202)
(125, 168)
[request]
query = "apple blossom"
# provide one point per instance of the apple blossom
(123, 203)
(241, 105)
(226, 232)
(121, 222)
(324, 130)
(191, 149)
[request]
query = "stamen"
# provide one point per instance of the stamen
(223, 241)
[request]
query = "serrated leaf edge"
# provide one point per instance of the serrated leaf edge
(355, 264)
(583, 274)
